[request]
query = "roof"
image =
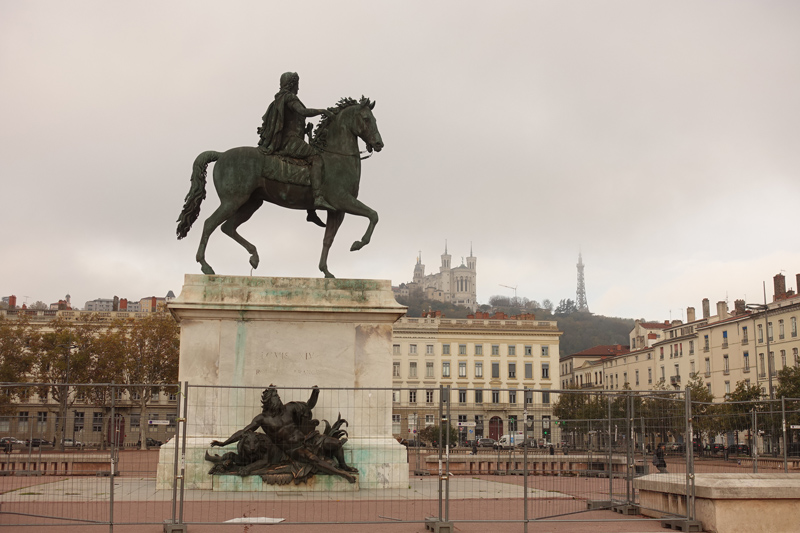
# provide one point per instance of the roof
(654, 325)
(604, 350)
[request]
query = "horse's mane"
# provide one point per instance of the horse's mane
(321, 131)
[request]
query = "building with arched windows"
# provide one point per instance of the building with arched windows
(455, 285)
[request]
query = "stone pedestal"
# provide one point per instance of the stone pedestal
(241, 334)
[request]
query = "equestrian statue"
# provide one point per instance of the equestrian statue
(287, 171)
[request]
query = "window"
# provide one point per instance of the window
(661, 353)
(77, 425)
(649, 376)
(705, 343)
(762, 373)
(512, 370)
(796, 357)
(478, 369)
(528, 397)
(671, 353)
(545, 351)
(396, 369)
(428, 420)
(545, 370)
(172, 396)
(41, 421)
(445, 349)
(462, 396)
(495, 370)
(780, 329)
(726, 369)
(396, 424)
(624, 378)
(395, 349)
(136, 395)
(769, 331)
(412, 348)
(637, 378)
(412, 369)
(412, 396)
(22, 421)
(760, 333)
(528, 370)
(744, 334)
(170, 420)
(136, 420)
(479, 349)
(724, 339)
(495, 349)
(772, 363)
(663, 375)
(708, 367)
(462, 349)
(478, 396)
(495, 396)
(446, 369)
(545, 397)
(462, 369)
(429, 369)
(395, 396)
(97, 422)
(528, 350)
(512, 397)
(746, 362)
(783, 358)
(708, 385)
(512, 350)
(691, 368)
(794, 327)
(429, 349)
(428, 396)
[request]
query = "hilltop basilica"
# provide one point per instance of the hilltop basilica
(454, 285)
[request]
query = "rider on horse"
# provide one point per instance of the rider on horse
(282, 130)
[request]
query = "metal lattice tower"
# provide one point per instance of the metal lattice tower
(581, 296)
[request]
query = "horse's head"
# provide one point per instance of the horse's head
(365, 125)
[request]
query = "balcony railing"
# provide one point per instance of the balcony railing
(674, 380)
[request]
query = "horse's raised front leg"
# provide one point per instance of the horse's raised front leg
(332, 226)
(241, 216)
(225, 210)
(354, 206)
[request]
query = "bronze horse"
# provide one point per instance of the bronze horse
(245, 178)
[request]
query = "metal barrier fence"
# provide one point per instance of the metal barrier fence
(461, 455)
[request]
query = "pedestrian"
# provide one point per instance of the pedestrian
(8, 446)
(552, 450)
(475, 447)
(658, 459)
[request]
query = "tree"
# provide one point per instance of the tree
(788, 382)
(16, 359)
(547, 305)
(62, 356)
(152, 348)
(566, 307)
(430, 434)
(38, 305)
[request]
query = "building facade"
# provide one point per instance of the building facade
(584, 370)
(498, 372)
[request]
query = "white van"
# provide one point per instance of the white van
(510, 441)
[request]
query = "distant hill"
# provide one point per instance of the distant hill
(581, 330)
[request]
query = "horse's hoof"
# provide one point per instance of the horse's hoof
(207, 270)
(329, 275)
(356, 246)
(254, 261)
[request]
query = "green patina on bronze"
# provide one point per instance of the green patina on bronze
(286, 171)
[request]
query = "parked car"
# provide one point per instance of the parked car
(717, 448)
(12, 440)
(72, 443)
(676, 447)
(151, 443)
(486, 443)
(36, 442)
(531, 443)
(741, 449)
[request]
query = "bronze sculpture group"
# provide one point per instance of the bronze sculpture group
(289, 448)
(287, 171)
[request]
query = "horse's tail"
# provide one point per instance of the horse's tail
(197, 192)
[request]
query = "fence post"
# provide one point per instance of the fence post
(447, 459)
(629, 450)
(439, 445)
(183, 448)
(783, 425)
(690, 488)
(178, 435)
(610, 456)
(111, 477)
(525, 466)
(754, 433)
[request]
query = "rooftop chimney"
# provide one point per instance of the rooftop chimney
(722, 310)
(738, 305)
(12, 301)
(779, 282)
(706, 308)
(123, 304)
(690, 314)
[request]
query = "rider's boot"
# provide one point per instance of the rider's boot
(312, 217)
(316, 185)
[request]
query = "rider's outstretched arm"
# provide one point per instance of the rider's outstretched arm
(304, 111)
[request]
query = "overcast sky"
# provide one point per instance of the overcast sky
(659, 139)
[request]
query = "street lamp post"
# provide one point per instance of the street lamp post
(770, 363)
